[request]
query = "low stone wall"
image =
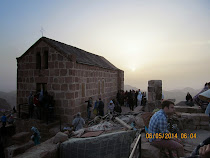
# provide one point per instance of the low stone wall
(188, 109)
(193, 121)
(44, 129)
(44, 150)
(112, 145)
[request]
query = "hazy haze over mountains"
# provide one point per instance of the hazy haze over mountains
(9, 97)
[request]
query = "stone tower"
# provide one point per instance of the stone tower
(154, 94)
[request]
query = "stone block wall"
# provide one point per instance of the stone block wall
(69, 82)
(193, 121)
(154, 94)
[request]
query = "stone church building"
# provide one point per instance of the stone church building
(69, 74)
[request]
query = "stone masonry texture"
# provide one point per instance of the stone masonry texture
(69, 82)
(154, 94)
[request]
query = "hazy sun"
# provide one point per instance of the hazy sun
(133, 69)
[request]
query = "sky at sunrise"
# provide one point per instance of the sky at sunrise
(168, 40)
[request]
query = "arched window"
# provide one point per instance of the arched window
(103, 83)
(83, 89)
(45, 59)
(38, 60)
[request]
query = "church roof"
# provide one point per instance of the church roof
(82, 57)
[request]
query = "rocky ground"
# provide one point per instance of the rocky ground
(198, 125)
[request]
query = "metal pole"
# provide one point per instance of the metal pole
(140, 148)
(134, 148)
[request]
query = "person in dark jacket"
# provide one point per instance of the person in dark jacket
(188, 97)
(117, 107)
(31, 104)
(4, 120)
(90, 104)
(101, 107)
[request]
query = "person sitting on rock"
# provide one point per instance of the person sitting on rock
(78, 122)
(189, 100)
(158, 126)
(188, 97)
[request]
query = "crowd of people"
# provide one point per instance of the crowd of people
(131, 98)
(40, 105)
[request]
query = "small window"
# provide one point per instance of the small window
(38, 60)
(45, 59)
(83, 89)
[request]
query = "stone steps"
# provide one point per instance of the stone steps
(16, 149)
(22, 140)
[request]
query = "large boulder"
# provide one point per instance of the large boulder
(139, 121)
(149, 151)
(60, 137)
(4, 104)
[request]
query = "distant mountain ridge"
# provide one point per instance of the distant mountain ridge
(10, 97)
(4, 104)
(129, 87)
(178, 94)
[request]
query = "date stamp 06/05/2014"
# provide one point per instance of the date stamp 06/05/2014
(170, 135)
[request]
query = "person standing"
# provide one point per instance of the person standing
(158, 125)
(117, 107)
(90, 104)
(11, 119)
(111, 107)
(78, 122)
(37, 106)
(31, 104)
(101, 107)
(95, 109)
(36, 135)
(139, 98)
(131, 96)
(4, 120)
